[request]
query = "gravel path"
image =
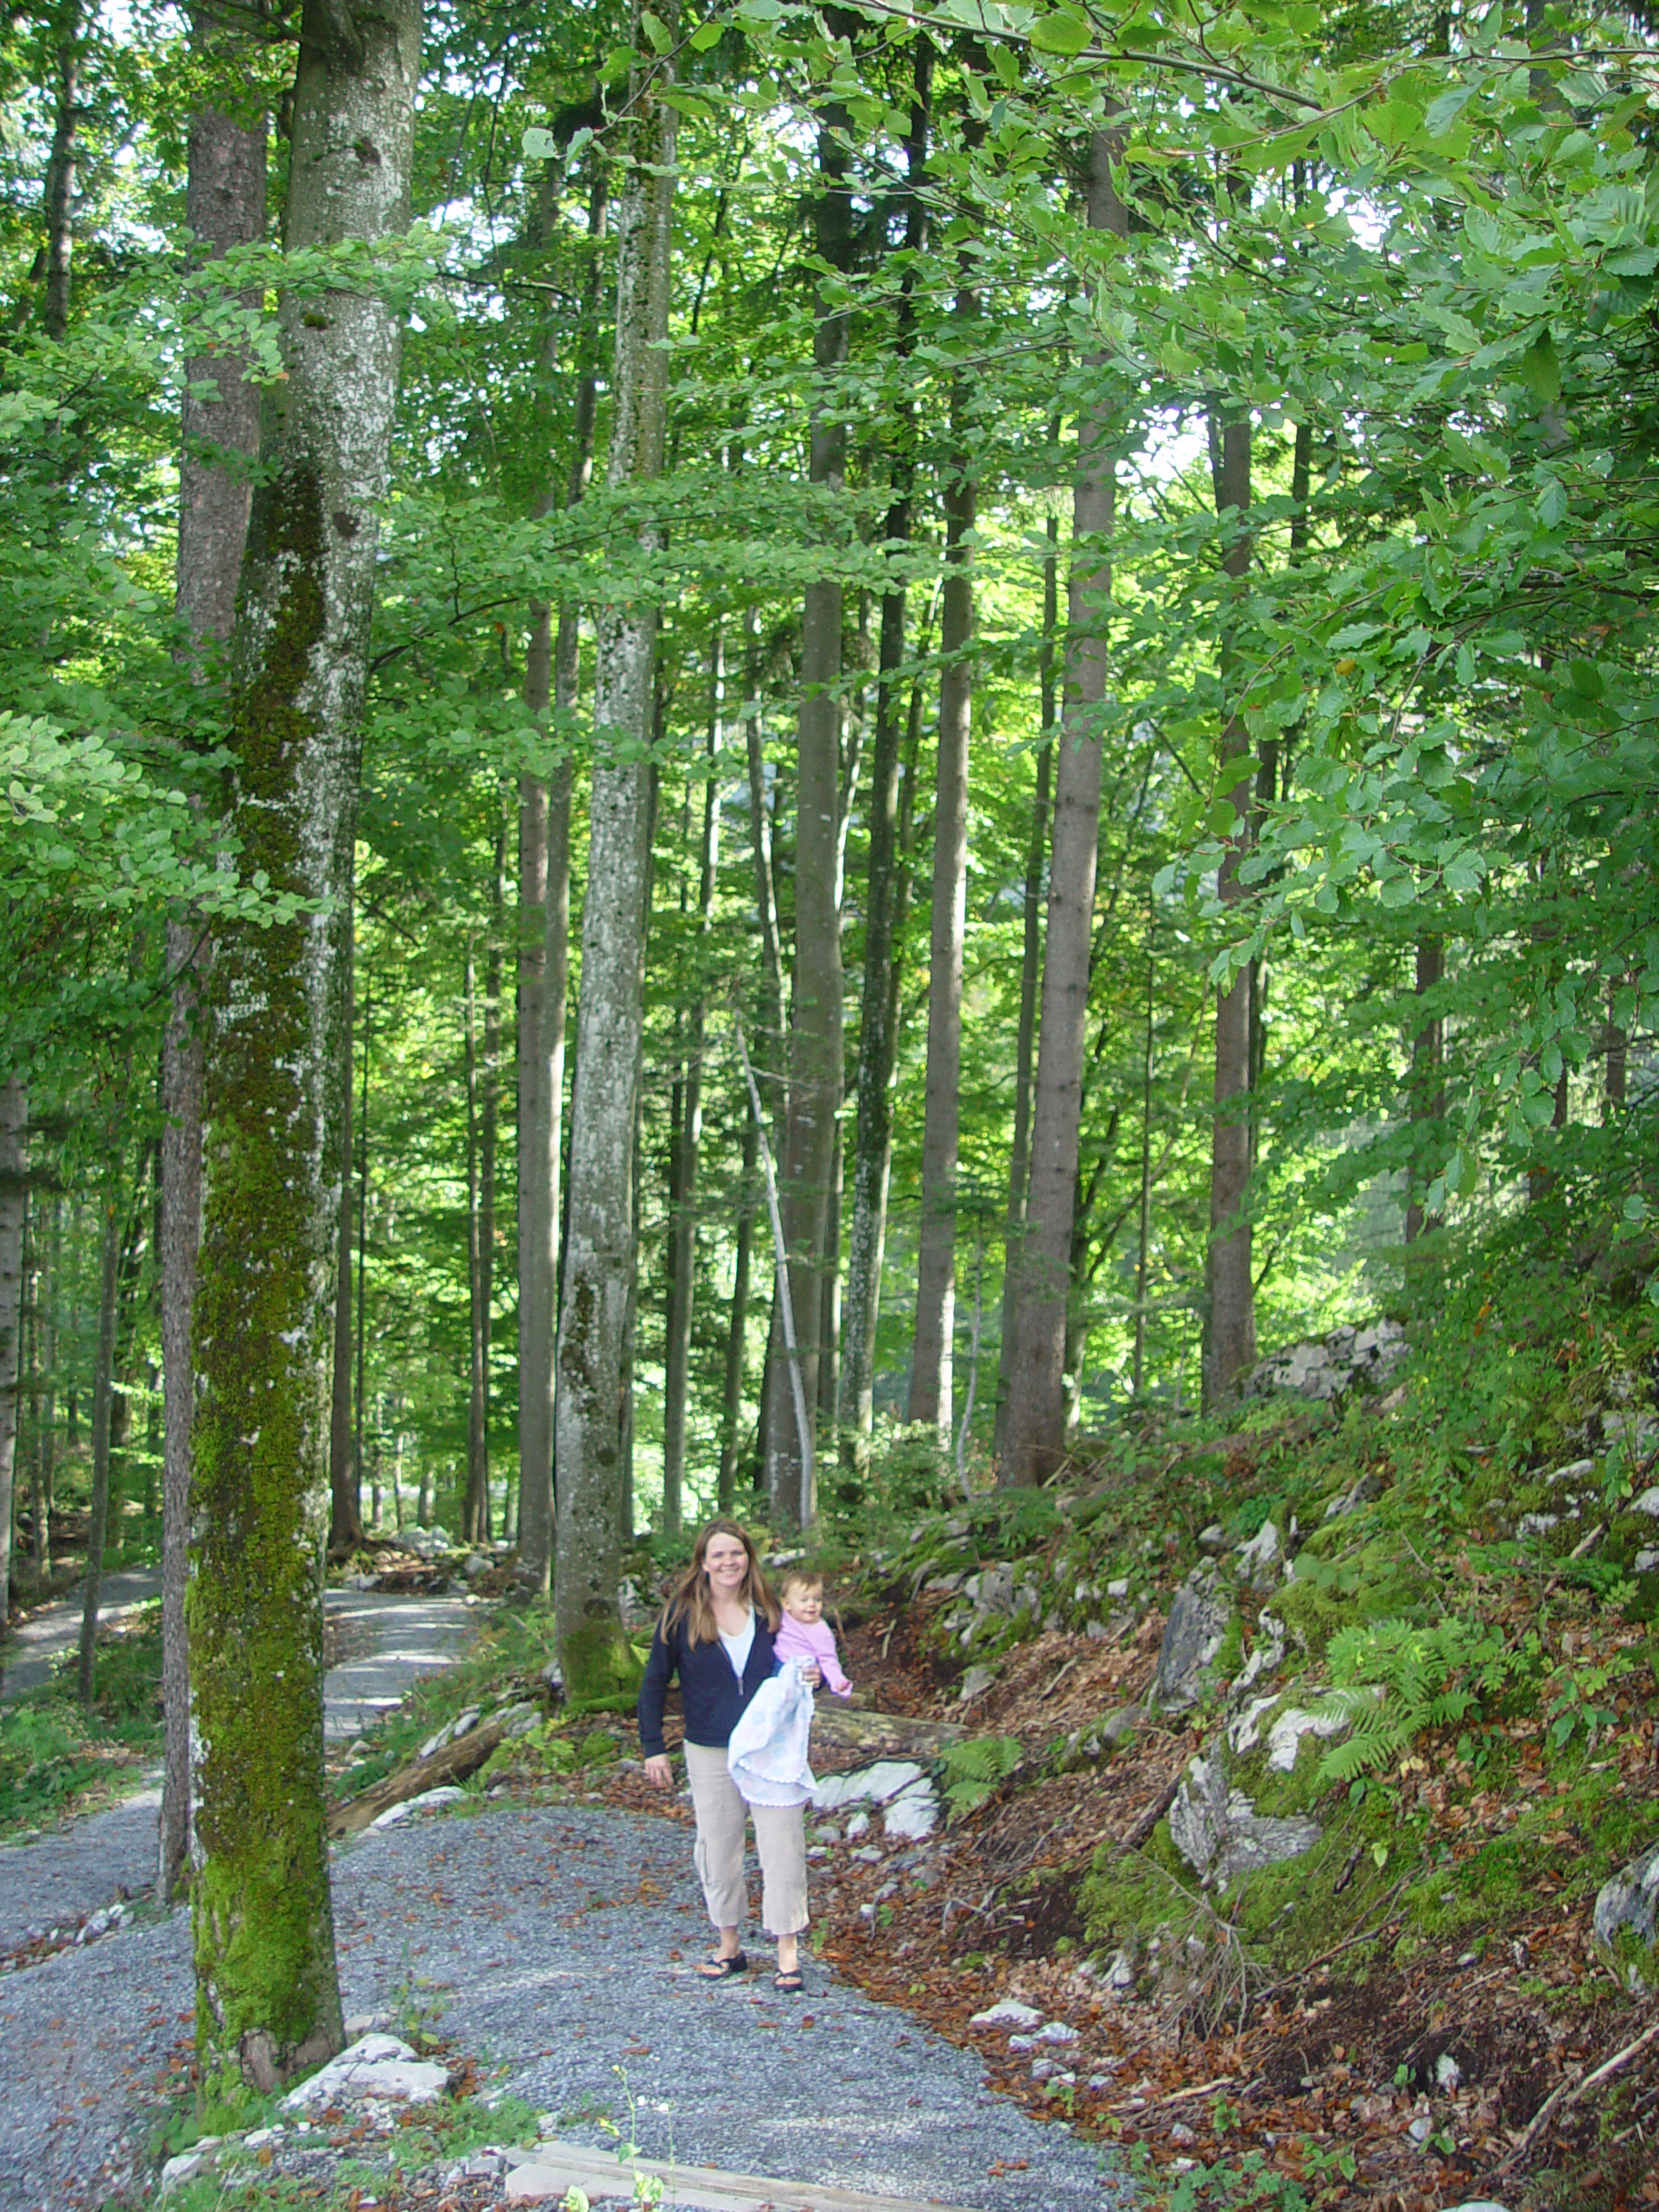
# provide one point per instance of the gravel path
(548, 1937)
(39, 1643)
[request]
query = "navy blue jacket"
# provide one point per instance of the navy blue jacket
(710, 1693)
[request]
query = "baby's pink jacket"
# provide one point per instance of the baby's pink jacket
(794, 1640)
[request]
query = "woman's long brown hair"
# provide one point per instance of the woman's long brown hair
(689, 1600)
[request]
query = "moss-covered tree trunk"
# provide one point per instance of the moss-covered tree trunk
(589, 1421)
(267, 1993)
(14, 1117)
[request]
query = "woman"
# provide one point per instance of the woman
(715, 1633)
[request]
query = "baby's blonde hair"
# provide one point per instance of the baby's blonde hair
(802, 1579)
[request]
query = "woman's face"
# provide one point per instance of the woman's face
(726, 1562)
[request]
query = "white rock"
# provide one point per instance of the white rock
(876, 1783)
(913, 1814)
(181, 2169)
(374, 2066)
(975, 1684)
(1647, 1560)
(1055, 2031)
(428, 1801)
(1023, 2043)
(1268, 1655)
(260, 2137)
(474, 1564)
(1007, 2013)
(858, 1826)
(367, 2023)
(1285, 1737)
(1648, 1503)
(1447, 2072)
(1244, 1732)
(1540, 1524)
(1258, 1558)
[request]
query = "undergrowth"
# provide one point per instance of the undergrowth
(56, 1759)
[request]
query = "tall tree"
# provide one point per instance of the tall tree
(599, 1248)
(677, 1353)
(224, 207)
(552, 671)
(268, 1992)
(815, 1037)
(1036, 1430)
(14, 1117)
(935, 1261)
(1229, 1325)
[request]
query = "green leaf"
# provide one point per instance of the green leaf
(540, 145)
(1063, 33)
(1541, 370)
(705, 35)
(662, 39)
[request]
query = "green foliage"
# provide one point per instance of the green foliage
(52, 1757)
(1397, 1678)
(973, 1771)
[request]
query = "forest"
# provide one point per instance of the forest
(771, 760)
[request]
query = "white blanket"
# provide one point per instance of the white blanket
(768, 1753)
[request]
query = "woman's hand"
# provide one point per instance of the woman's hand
(658, 1773)
(811, 1674)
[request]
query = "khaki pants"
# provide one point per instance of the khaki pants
(779, 1838)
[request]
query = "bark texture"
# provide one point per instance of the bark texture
(598, 1248)
(936, 1266)
(1229, 1336)
(14, 1118)
(268, 1999)
(682, 1283)
(1427, 1096)
(1036, 1426)
(552, 674)
(224, 207)
(109, 1287)
(877, 1012)
(815, 1039)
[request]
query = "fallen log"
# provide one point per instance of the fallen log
(453, 1764)
(882, 1735)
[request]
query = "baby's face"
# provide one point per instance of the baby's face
(803, 1606)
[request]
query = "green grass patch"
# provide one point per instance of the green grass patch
(56, 1759)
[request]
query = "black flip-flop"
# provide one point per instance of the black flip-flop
(716, 1968)
(788, 1983)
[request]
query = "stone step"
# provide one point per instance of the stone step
(556, 2167)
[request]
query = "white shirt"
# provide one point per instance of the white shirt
(739, 1647)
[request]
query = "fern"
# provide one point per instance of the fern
(973, 1771)
(1412, 1676)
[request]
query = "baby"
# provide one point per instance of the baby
(804, 1634)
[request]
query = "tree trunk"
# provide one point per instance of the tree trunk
(1616, 1046)
(225, 206)
(877, 1039)
(1143, 1237)
(766, 879)
(1031, 954)
(60, 192)
(829, 1302)
(677, 1361)
(737, 1323)
(46, 1438)
(1036, 1426)
(1229, 1336)
(14, 1121)
(268, 1996)
(1427, 1098)
(598, 1250)
(475, 1505)
(931, 1395)
(815, 1054)
(103, 1397)
(550, 673)
(345, 1475)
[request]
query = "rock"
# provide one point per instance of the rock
(975, 1684)
(1007, 2013)
(1118, 1586)
(1267, 1657)
(876, 1783)
(1182, 2133)
(1055, 2031)
(1448, 2073)
(1119, 1975)
(1646, 1560)
(181, 2169)
(519, 1719)
(1420, 2129)
(367, 2023)
(1575, 1472)
(374, 2066)
(871, 1854)
(428, 1801)
(553, 1675)
(475, 1564)
(1329, 1367)
(1648, 1503)
(858, 1826)
(1540, 1524)
(1210, 1538)
(1218, 1832)
(913, 1814)
(531, 2183)
(1259, 1560)
(1044, 2069)
(1023, 2043)
(1624, 1906)
(1192, 1634)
